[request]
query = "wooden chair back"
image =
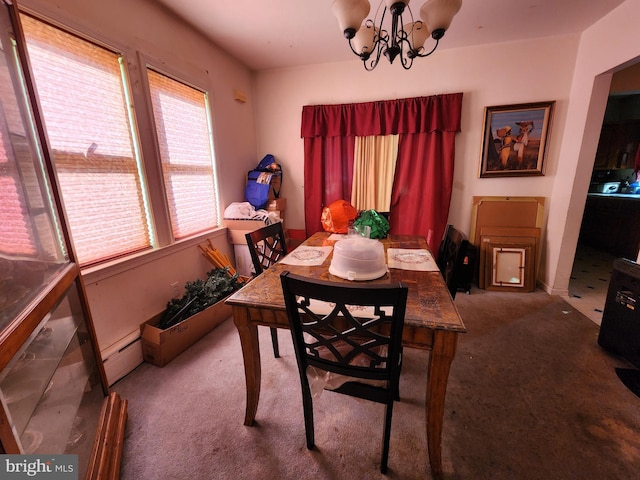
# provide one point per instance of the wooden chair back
(450, 256)
(267, 245)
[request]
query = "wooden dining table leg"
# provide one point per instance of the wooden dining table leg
(251, 355)
(442, 354)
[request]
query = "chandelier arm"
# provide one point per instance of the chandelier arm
(381, 44)
(379, 47)
(418, 54)
(382, 40)
(384, 13)
(353, 49)
(406, 61)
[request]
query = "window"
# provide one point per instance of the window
(183, 128)
(85, 105)
(28, 226)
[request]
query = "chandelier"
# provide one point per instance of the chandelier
(370, 39)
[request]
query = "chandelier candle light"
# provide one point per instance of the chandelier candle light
(369, 40)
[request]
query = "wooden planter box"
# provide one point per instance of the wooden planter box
(159, 346)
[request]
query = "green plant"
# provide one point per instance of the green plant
(199, 295)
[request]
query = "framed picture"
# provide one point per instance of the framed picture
(514, 141)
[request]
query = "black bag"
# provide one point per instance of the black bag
(263, 182)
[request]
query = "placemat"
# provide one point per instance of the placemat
(304, 255)
(338, 236)
(411, 259)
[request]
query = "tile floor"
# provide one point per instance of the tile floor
(589, 281)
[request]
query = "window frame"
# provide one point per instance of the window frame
(196, 78)
(146, 62)
(136, 81)
(130, 126)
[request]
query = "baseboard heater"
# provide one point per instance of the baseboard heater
(122, 357)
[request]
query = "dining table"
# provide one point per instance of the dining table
(432, 321)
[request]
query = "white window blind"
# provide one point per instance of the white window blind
(85, 106)
(183, 128)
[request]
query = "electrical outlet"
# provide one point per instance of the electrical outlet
(175, 289)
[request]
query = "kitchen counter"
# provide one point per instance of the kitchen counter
(610, 223)
(631, 196)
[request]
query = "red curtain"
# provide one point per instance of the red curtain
(328, 174)
(424, 171)
(422, 185)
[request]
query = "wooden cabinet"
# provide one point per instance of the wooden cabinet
(620, 134)
(618, 145)
(611, 223)
(51, 389)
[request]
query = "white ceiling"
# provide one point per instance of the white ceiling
(267, 34)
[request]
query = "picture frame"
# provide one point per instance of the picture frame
(515, 139)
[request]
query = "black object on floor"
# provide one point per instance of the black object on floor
(620, 328)
(631, 379)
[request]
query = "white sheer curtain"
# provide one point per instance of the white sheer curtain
(373, 170)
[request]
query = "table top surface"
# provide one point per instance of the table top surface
(429, 304)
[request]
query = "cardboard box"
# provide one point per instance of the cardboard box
(277, 204)
(237, 229)
(237, 237)
(244, 263)
(159, 347)
(280, 214)
(243, 224)
(276, 184)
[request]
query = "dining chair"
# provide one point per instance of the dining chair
(353, 332)
(449, 257)
(267, 245)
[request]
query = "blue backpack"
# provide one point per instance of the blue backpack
(263, 182)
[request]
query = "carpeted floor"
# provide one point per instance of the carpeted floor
(531, 396)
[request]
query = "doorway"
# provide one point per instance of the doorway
(605, 232)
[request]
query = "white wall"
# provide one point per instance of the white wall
(561, 69)
(520, 72)
(607, 46)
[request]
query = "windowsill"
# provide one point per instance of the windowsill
(109, 269)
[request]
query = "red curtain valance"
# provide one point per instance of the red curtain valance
(402, 116)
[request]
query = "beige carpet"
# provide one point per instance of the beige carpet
(531, 396)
